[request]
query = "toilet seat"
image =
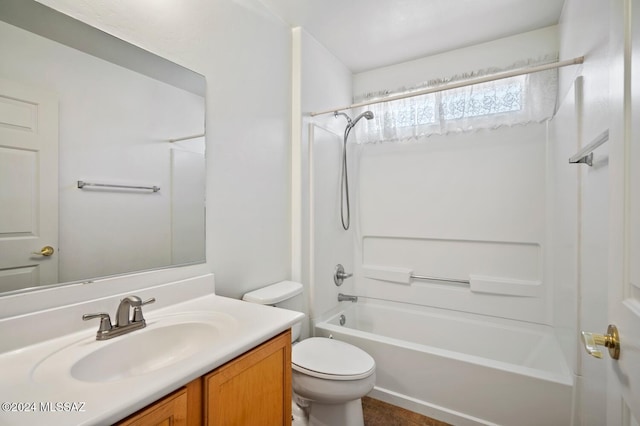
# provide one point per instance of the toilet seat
(331, 359)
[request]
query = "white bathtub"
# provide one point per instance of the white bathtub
(460, 368)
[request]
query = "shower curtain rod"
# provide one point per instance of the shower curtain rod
(457, 84)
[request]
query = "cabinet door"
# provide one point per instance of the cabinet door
(253, 389)
(169, 411)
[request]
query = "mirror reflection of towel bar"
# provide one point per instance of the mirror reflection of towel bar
(449, 280)
(82, 184)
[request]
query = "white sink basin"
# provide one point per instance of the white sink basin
(164, 342)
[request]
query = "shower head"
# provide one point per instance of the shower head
(350, 123)
(367, 114)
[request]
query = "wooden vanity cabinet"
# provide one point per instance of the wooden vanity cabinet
(169, 411)
(252, 389)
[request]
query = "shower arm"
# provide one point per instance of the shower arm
(336, 114)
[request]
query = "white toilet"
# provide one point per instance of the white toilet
(329, 376)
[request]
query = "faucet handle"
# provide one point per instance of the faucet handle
(137, 309)
(148, 301)
(339, 275)
(105, 321)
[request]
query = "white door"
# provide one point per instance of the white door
(28, 186)
(623, 375)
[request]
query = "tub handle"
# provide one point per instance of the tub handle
(610, 340)
(340, 275)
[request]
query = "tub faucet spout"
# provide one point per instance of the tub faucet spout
(347, 297)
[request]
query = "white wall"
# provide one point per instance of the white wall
(244, 52)
(584, 30)
(500, 53)
(114, 127)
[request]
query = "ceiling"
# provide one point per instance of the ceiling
(368, 34)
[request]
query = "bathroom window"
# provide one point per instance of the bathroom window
(415, 112)
(496, 99)
(507, 102)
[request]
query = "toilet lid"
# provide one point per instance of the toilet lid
(333, 359)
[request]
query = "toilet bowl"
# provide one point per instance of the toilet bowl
(329, 377)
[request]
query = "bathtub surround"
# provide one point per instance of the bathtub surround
(456, 205)
(464, 207)
(452, 207)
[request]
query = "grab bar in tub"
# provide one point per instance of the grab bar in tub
(476, 283)
(402, 275)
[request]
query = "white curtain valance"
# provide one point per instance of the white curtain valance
(507, 102)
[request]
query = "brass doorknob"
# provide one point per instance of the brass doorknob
(610, 340)
(44, 251)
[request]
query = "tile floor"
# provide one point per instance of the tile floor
(379, 413)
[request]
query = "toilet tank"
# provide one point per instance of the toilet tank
(283, 294)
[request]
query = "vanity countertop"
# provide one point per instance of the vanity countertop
(29, 396)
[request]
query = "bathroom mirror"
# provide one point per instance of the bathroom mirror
(102, 168)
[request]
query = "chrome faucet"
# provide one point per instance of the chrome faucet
(125, 322)
(347, 297)
(123, 318)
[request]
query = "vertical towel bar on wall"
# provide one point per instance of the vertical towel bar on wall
(585, 155)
